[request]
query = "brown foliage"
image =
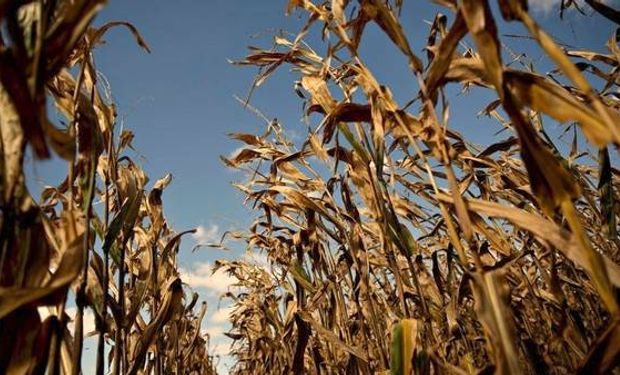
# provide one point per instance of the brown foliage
(502, 260)
(62, 243)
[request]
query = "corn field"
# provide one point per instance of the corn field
(395, 245)
(119, 260)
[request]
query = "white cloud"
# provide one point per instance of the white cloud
(257, 259)
(205, 235)
(202, 276)
(221, 315)
(214, 332)
(221, 349)
(219, 344)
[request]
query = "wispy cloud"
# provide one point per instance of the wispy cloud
(215, 326)
(221, 315)
(207, 234)
(214, 332)
(202, 276)
(256, 259)
(221, 349)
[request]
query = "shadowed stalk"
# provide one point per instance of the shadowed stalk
(80, 298)
(119, 343)
(103, 325)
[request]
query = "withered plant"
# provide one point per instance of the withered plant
(100, 235)
(395, 244)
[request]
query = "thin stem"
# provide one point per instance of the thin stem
(80, 298)
(106, 267)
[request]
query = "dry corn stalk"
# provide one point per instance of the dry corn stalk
(62, 244)
(505, 256)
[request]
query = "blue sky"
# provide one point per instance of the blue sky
(179, 102)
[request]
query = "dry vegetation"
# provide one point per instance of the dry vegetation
(118, 259)
(395, 245)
